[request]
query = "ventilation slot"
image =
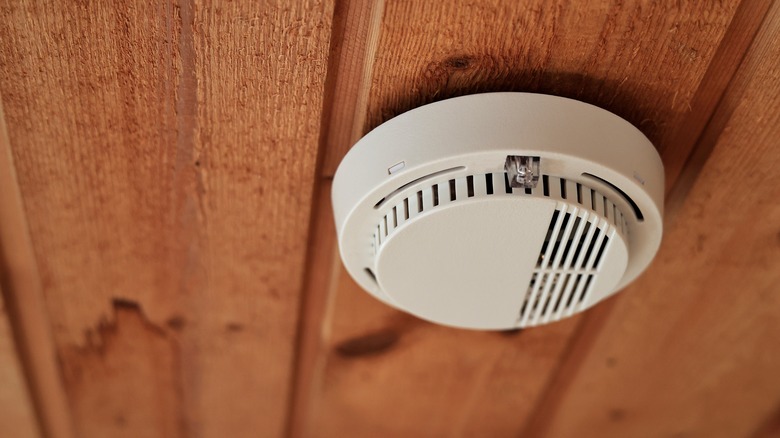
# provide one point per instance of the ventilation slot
(548, 238)
(382, 201)
(452, 190)
(572, 240)
(370, 274)
(507, 186)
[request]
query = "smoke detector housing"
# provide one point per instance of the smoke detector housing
(499, 210)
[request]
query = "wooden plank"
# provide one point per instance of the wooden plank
(103, 378)
(387, 374)
(26, 311)
(691, 351)
(166, 153)
(599, 53)
(678, 164)
(260, 74)
(390, 374)
(89, 100)
(356, 29)
(323, 263)
(17, 417)
(353, 46)
(681, 177)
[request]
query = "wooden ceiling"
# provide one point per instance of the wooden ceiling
(168, 253)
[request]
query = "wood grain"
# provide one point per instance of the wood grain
(356, 26)
(356, 30)
(17, 416)
(103, 379)
(691, 351)
(599, 53)
(166, 155)
(323, 263)
(387, 374)
(89, 96)
(680, 161)
(260, 76)
(164, 193)
(25, 309)
(391, 374)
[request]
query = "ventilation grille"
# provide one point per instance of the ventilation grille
(422, 199)
(567, 266)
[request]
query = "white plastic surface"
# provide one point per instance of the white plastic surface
(472, 259)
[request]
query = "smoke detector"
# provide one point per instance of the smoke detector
(499, 210)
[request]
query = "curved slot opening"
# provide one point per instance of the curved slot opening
(418, 180)
(623, 194)
(371, 275)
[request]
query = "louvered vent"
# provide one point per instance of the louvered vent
(577, 238)
(425, 197)
(568, 263)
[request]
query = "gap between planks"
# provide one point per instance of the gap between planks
(355, 33)
(716, 85)
(750, 18)
(355, 38)
(720, 89)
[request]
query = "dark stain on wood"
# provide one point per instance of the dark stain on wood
(126, 304)
(458, 62)
(234, 327)
(617, 415)
(125, 375)
(98, 338)
(176, 322)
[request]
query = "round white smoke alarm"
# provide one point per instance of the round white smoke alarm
(499, 210)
